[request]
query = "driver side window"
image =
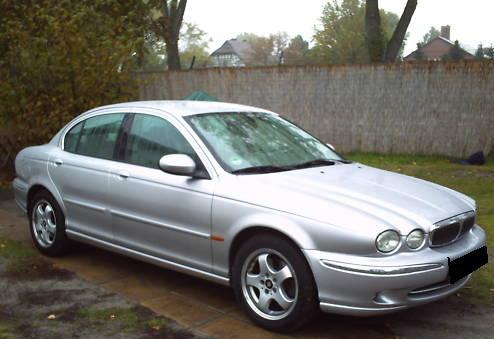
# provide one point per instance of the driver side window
(151, 137)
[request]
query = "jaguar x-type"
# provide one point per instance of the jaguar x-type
(240, 196)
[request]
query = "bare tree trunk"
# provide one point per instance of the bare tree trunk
(172, 55)
(373, 33)
(173, 16)
(396, 41)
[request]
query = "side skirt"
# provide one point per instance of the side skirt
(148, 258)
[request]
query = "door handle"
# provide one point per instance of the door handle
(58, 162)
(123, 174)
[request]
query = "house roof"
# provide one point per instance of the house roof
(240, 48)
(436, 49)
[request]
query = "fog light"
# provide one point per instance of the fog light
(415, 239)
(387, 241)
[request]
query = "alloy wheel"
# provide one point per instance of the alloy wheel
(44, 223)
(269, 284)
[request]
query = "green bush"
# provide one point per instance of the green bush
(60, 58)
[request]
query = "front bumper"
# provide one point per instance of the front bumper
(356, 285)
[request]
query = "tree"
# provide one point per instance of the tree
(342, 38)
(60, 58)
(377, 49)
(194, 45)
(167, 24)
(261, 53)
(374, 34)
(418, 54)
(456, 52)
(489, 52)
(297, 52)
(265, 51)
(280, 43)
(432, 34)
(480, 54)
(399, 34)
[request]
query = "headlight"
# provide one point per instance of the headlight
(387, 241)
(415, 239)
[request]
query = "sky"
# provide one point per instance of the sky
(470, 21)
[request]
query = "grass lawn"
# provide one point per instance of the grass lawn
(474, 181)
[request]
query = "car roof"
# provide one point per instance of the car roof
(183, 108)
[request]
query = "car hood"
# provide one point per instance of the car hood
(352, 195)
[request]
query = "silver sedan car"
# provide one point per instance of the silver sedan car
(242, 197)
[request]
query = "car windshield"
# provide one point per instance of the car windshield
(259, 142)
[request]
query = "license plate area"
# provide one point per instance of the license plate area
(463, 266)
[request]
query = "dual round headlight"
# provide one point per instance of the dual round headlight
(389, 240)
(415, 239)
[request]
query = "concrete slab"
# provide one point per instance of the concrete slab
(228, 327)
(183, 310)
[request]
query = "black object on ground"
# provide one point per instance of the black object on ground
(476, 158)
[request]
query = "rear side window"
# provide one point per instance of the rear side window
(152, 137)
(95, 137)
(72, 138)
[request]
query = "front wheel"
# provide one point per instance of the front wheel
(273, 283)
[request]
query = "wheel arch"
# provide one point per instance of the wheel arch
(253, 230)
(38, 187)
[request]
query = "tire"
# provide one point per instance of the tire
(267, 269)
(47, 225)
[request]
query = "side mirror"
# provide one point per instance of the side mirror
(178, 164)
(331, 146)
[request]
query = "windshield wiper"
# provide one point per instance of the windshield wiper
(260, 169)
(314, 163)
(271, 169)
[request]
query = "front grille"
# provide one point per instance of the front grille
(445, 234)
(449, 230)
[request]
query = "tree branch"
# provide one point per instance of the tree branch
(166, 12)
(396, 41)
(181, 12)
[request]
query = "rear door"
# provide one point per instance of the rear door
(157, 213)
(80, 171)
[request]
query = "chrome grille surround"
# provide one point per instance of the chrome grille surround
(449, 230)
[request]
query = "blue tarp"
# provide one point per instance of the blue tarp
(200, 96)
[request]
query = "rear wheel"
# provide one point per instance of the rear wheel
(273, 283)
(47, 225)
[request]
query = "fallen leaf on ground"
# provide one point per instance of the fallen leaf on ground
(51, 317)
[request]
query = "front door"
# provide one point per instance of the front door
(157, 213)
